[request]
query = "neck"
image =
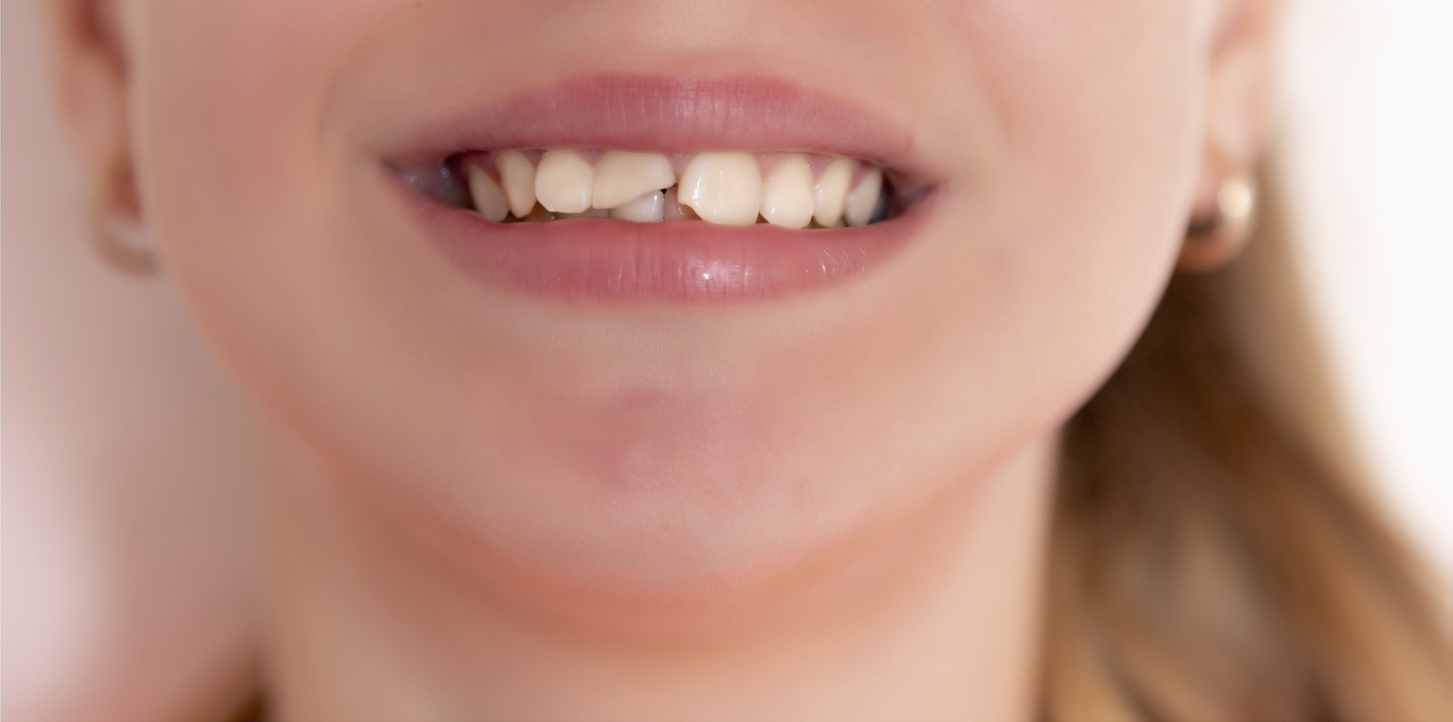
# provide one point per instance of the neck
(365, 626)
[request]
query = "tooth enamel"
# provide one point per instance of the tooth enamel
(489, 198)
(517, 175)
(723, 188)
(864, 198)
(787, 194)
(831, 193)
(621, 177)
(646, 208)
(563, 182)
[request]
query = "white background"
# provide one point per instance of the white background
(127, 567)
(1369, 93)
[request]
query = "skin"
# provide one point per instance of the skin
(484, 505)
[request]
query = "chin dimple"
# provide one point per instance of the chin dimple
(791, 190)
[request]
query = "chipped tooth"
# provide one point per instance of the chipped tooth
(517, 176)
(563, 182)
(863, 201)
(673, 210)
(489, 198)
(621, 177)
(723, 188)
(787, 193)
(646, 208)
(830, 195)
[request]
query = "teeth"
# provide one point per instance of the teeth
(563, 182)
(723, 188)
(489, 198)
(831, 193)
(646, 208)
(787, 194)
(622, 177)
(863, 201)
(517, 175)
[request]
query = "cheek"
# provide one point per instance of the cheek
(238, 171)
(1085, 207)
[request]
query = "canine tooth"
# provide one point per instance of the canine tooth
(830, 195)
(787, 195)
(673, 210)
(723, 188)
(517, 175)
(489, 198)
(864, 198)
(621, 177)
(563, 182)
(646, 208)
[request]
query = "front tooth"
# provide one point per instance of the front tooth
(831, 193)
(621, 177)
(864, 198)
(517, 175)
(787, 194)
(723, 188)
(647, 208)
(489, 198)
(563, 182)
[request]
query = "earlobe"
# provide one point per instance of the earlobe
(1239, 92)
(90, 75)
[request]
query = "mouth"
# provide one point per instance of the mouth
(630, 188)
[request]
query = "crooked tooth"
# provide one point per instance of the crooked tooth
(787, 194)
(489, 198)
(517, 178)
(830, 195)
(517, 175)
(563, 182)
(864, 198)
(646, 208)
(723, 188)
(621, 177)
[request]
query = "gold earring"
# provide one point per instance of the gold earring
(1214, 239)
(115, 220)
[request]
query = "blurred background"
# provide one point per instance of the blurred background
(128, 570)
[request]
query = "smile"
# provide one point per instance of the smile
(597, 190)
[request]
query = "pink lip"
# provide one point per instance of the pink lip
(677, 261)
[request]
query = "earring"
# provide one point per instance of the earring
(115, 220)
(1213, 239)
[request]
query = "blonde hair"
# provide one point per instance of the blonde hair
(1215, 554)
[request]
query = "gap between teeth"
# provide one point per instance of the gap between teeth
(793, 190)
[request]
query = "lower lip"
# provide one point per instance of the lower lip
(686, 261)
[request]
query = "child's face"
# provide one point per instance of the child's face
(639, 442)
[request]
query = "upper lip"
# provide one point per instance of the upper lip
(669, 115)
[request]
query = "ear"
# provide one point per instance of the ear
(89, 66)
(1239, 101)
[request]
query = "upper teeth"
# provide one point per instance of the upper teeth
(733, 188)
